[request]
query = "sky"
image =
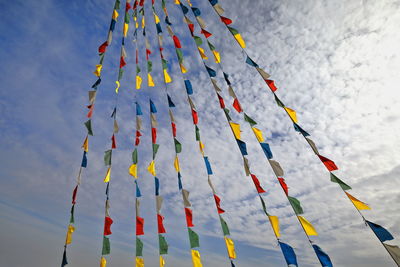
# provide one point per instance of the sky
(335, 62)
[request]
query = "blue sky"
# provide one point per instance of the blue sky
(335, 63)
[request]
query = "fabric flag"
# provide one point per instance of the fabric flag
(88, 125)
(185, 195)
(249, 120)
(308, 227)
(113, 142)
(178, 146)
(138, 194)
(155, 149)
(208, 166)
(139, 247)
(108, 175)
(157, 186)
(288, 253)
(217, 202)
(329, 164)
(251, 62)
(225, 20)
(139, 262)
(342, 184)
(64, 259)
(138, 82)
(258, 134)
(211, 72)
(257, 184)
(275, 225)
(107, 225)
(194, 239)
(107, 157)
(292, 114)
(163, 245)
(160, 219)
(139, 225)
(153, 135)
(394, 251)
(276, 167)
(196, 260)
(135, 156)
(106, 246)
(133, 170)
(230, 246)
(217, 56)
(176, 164)
(381, 233)
(357, 203)
(267, 150)
(263, 73)
(236, 129)
(189, 217)
(271, 85)
(152, 168)
(150, 81)
(224, 226)
(188, 86)
(167, 78)
(237, 36)
(295, 203)
(284, 185)
(159, 201)
(313, 146)
(242, 147)
(85, 145)
(246, 166)
(97, 71)
(70, 230)
(103, 262)
(300, 130)
(84, 160)
(322, 256)
(74, 194)
(170, 103)
(162, 261)
(237, 105)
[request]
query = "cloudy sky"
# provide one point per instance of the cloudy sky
(336, 63)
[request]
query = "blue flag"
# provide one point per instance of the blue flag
(380, 232)
(152, 107)
(267, 150)
(322, 256)
(138, 109)
(208, 166)
(289, 254)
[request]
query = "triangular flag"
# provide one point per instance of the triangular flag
(152, 168)
(275, 225)
(308, 227)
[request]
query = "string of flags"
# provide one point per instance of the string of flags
(393, 251)
(235, 128)
(88, 125)
(138, 16)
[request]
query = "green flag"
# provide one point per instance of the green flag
(197, 133)
(211, 46)
(279, 102)
(194, 238)
(227, 114)
(107, 157)
(135, 156)
(106, 246)
(71, 219)
(198, 40)
(178, 146)
(139, 247)
(163, 245)
(342, 184)
(149, 66)
(88, 125)
(224, 226)
(296, 205)
(164, 64)
(264, 206)
(180, 55)
(249, 120)
(155, 149)
(120, 74)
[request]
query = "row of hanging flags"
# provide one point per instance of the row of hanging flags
(138, 11)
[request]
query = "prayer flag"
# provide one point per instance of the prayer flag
(289, 254)
(357, 203)
(196, 260)
(163, 245)
(230, 246)
(308, 227)
(322, 256)
(275, 225)
(193, 238)
(292, 114)
(257, 184)
(258, 134)
(189, 217)
(381, 233)
(108, 174)
(329, 164)
(139, 225)
(152, 168)
(160, 219)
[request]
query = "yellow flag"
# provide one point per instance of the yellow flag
(217, 56)
(203, 55)
(138, 82)
(150, 80)
(240, 40)
(152, 168)
(292, 114)
(258, 134)
(103, 262)
(115, 14)
(230, 246)
(156, 18)
(133, 170)
(143, 22)
(176, 164)
(183, 69)
(196, 258)
(136, 24)
(359, 204)
(167, 78)
(126, 27)
(108, 174)
(85, 145)
(201, 146)
(71, 229)
(310, 230)
(117, 88)
(177, 2)
(236, 129)
(97, 71)
(139, 262)
(275, 225)
(162, 261)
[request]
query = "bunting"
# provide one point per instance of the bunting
(235, 128)
(88, 124)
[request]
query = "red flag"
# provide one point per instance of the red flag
(137, 141)
(153, 135)
(329, 164)
(237, 105)
(217, 201)
(139, 225)
(114, 143)
(189, 217)
(137, 56)
(177, 42)
(225, 20)
(257, 184)
(206, 33)
(221, 101)
(141, 3)
(284, 185)
(74, 194)
(271, 85)
(127, 6)
(191, 28)
(138, 134)
(90, 113)
(195, 118)
(122, 62)
(173, 129)
(160, 219)
(107, 225)
(103, 47)
(148, 52)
